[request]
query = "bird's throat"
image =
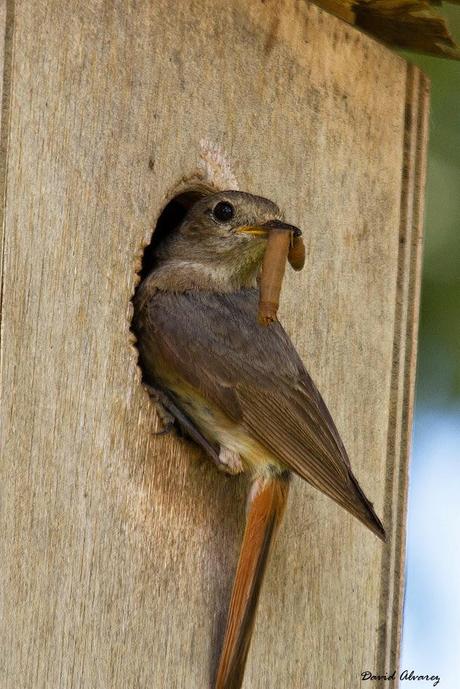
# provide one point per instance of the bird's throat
(179, 275)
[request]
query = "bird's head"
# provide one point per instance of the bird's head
(220, 243)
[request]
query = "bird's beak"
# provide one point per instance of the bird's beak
(263, 230)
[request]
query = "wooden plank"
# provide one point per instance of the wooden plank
(416, 25)
(119, 547)
(6, 35)
(404, 361)
(4, 45)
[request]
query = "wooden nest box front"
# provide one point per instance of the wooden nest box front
(119, 547)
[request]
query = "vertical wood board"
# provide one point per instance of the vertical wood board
(119, 547)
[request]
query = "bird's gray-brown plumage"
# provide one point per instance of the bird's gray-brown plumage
(242, 385)
(253, 376)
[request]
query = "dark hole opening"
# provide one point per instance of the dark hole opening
(170, 218)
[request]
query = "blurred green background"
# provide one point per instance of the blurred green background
(438, 380)
(431, 631)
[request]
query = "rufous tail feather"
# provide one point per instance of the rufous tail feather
(266, 506)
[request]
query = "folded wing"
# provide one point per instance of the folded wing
(255, 376)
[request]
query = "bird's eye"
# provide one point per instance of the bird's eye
(223, 211)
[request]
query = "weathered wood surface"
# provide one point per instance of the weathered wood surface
(118, 547)
(417, 25)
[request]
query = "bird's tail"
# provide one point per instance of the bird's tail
(265, 509)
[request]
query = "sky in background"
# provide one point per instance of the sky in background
(431, 634)
(431, 637)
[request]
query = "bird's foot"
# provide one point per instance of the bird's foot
(230, 461)
(168, 421)
(174, 418)
(166, 418)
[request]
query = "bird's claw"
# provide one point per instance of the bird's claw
(173, 417)
(169, 426)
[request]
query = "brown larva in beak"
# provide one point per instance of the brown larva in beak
(284, 242)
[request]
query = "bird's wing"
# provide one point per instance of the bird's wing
(255, 376)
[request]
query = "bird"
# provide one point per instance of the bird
(236, 387)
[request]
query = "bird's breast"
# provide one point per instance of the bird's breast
(163, 323)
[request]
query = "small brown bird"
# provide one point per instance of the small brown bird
(236, 387)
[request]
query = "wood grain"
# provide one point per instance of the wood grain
(404, 361)
(119, 547)
(416, 25)
(6, 49)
